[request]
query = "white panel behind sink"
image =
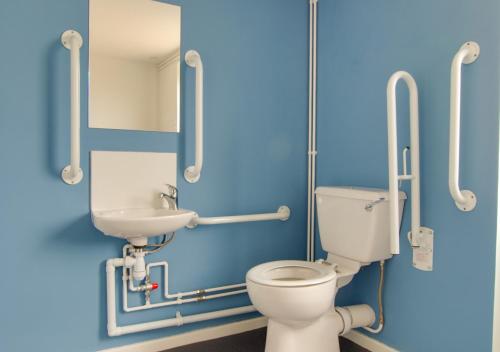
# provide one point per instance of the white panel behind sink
(126, 180)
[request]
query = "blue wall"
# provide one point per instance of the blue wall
(255, 57)
(361, 43)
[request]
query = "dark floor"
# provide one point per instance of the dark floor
(252, 341)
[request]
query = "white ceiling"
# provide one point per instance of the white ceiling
(134, 29)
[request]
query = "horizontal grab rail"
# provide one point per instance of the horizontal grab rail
(73, 41)
(282, 214)
(465, 200)
(192, 173)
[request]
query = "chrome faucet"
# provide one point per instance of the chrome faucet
(170, 196)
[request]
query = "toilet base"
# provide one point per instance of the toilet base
(318, 336)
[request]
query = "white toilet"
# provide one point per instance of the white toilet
(298, 297)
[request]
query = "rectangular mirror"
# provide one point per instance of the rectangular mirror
(134, 65)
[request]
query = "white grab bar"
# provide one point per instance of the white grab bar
(465, 200)
(282, 214)
(192, 173)
(394, 176)
(73, 41)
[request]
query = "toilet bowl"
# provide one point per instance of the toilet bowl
(292, 292)
(298, 297)
(295, 296)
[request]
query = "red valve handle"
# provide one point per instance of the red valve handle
(154, 285)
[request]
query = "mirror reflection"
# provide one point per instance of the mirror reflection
(134, 65)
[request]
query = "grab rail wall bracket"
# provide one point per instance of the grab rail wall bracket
(192, 173)
(465, 200)
(73, 41)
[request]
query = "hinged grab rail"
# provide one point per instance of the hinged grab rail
(282, 214)
(72, 40)
(465, 200)
(192, 173)
(394, 176)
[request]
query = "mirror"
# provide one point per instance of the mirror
(134, 65)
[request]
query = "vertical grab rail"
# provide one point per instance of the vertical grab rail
(465, 200)
(73, 174)
(394, 176)
(192, 173)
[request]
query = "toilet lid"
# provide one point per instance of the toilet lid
(291, 273)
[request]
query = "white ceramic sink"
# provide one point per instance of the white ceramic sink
(136, 225)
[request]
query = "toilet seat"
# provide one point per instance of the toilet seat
(292, 273)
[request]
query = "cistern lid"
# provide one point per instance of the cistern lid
(361, 193)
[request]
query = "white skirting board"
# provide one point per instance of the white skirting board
(193, 336)
(368, 342)
(232, 329)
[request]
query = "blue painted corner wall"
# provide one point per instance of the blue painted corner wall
(255, 58)
(361, 43)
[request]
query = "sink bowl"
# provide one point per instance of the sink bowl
(136, 225)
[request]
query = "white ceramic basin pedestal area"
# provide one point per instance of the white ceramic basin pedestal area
(136, 225)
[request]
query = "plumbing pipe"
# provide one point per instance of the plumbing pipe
(192, 173)
(139, 268)
(282, 214)
(111, 264)
(465, 200)
(394, 177)
(353, 317)
(174, 299)
(179, 320)
(114, 330)
(178, 301)
(73, 41)
(184, 294)
(380, 302)
(312, 152)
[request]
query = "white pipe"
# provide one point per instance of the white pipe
(180, 301)
(114, 330)
(496, 304)
(465, 200)
(309, 149)
(393, 158)
(111, 264)
(313, 171)
(282, 214)
(312, 152)
(178, 298)
(192, 173)
(73, 41)
(353, 317)
(191, 293)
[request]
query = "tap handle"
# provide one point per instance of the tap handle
(171, 191)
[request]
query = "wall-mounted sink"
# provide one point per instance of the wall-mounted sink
(136, 225)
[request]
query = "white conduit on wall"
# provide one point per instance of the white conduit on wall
(312, 152)
(115, 330)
